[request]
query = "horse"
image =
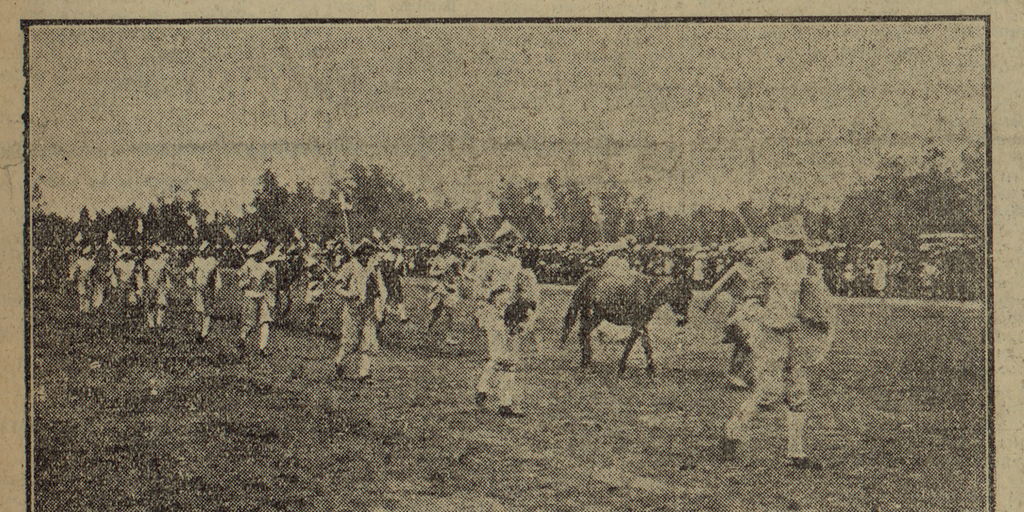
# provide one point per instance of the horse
(628, 298)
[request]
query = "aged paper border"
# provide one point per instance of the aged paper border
(1007, 138)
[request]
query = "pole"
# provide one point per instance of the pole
(348, 234)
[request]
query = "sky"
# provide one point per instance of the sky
(683, 113)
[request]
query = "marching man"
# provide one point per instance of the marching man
(789, 333)
(81, 273)
(507, 317)
(257, 280)
(360, 286)
(126, 281)
(446, 268)
(200, 280)
(393, 268)
(156, 285)
(316, 269)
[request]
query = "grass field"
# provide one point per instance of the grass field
(132, 421)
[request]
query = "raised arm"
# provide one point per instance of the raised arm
(723, 284)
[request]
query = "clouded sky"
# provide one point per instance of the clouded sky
(683, 113)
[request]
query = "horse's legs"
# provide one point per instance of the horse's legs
(633, 335)
(645, 340)
(586, 326)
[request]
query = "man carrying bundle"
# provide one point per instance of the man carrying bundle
(791, 332)
(507, 315)
(446, 268)
(744, 283)
(393, 269)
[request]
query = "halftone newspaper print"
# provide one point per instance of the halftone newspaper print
(522, 264)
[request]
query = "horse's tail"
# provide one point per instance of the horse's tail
(576, 303)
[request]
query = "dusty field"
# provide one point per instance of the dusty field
(138, 422)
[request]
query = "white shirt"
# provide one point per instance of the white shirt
(256, 278)
(79, 271)
(156, 270)
(199, 271)
(125, 269)
(784, 278)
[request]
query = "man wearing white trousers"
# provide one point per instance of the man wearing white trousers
(360, 284)
(82, 273)
(258, 282)
(791, 332)
(157, 284)
(507, 316)
(202, 284)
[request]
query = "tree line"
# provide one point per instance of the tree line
(895, 206)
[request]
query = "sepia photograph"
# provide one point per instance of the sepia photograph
(471, 264)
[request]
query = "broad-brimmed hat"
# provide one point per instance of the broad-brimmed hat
(483, 247)
(506, 232)
(276, 256)
(257, 248)
(397, 243)
(790, 230)
(365, 246)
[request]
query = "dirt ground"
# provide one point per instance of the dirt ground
(125, 420)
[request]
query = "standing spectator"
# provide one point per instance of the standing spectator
(880, 275)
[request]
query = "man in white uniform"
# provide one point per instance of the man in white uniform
(447, 269)
(507, 316)
(791, 332)
(257, 280)
(124, 282)
(156, 285)
(81, 273)
(201, 282)
(361, 286)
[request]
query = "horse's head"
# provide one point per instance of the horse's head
(676, 294)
